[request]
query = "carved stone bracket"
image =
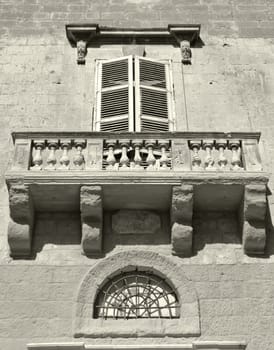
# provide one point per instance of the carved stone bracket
(181, 220)
(21, 221)
(254, 217)
(92, 219)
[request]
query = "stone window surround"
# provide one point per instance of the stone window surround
(187, 325)
(84, 35)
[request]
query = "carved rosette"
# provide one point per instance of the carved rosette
(181, 220)
(92, 219)
(21, 221)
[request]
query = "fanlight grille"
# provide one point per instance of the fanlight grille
(136, 295)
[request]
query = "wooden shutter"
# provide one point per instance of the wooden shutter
(153, 95)
(114, 95)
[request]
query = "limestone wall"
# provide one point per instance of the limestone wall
(228, 87)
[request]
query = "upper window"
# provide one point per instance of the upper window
(137, 295)
(134, 94)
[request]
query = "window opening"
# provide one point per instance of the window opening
(136, 295)
(134, 94)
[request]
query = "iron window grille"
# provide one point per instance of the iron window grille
(133, 295)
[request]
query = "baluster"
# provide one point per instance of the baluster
(111, 160)
(124, 160)
(64, 160)
(164, 158)
(196, 159)
(78, 159)
(234, 146)
(221, 145)
(51, 161)
(37, 160)
(209, 160)
(137, 160)
(150, 157)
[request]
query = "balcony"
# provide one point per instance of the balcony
(95, 173)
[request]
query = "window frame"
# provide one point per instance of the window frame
(134, 115)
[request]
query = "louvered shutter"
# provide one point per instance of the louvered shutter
(114, 100)
(153, 95)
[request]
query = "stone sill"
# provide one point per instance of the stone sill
(213, 345)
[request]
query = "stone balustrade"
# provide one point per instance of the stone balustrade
(137, 152)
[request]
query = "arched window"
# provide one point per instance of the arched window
(136, 294)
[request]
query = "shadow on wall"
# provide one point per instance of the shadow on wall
(215, 227)
(269, 230)
(56, 230)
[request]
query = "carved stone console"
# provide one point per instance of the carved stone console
(21, 221)
(91, 217)
(181, 220)
(254, 216)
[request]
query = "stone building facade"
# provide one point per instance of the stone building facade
(177, 209)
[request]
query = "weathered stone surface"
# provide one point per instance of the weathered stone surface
(181, 220)
(135, 222)
(92, 216)
(254, 219)
(21, 222)
(181, 239)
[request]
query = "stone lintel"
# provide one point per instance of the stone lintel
(254, 219)
(181, 220)
(21, 221)
(92, 219)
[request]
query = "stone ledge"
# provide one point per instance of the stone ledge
(161, 178)
(213, 345)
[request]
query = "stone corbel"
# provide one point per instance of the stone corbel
(92, 219)
(21, 221)
(254, 219)
(181, 220)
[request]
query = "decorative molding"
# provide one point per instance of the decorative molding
(213, 345)
(187, 325)
(181, 220)
(56, 346)
(86, 35)
(92, 219)
(21, 221)
(191, 135)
